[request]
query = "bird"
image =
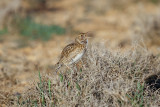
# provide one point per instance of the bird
(73, 52)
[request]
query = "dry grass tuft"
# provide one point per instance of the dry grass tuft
(106, 79)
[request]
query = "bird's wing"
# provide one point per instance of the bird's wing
(68, 49)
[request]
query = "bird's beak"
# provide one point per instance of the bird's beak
(89, 36)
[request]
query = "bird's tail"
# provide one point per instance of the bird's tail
(58, 66)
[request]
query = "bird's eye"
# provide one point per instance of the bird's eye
(82, 36)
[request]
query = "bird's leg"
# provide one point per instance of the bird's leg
(68, 67)
(71, 71)
(79, 65)
(81, 61)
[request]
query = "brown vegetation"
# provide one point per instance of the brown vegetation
(107, 77)
(147, 27)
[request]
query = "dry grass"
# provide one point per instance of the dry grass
(100, 7)
(147, 27)
(107, 79)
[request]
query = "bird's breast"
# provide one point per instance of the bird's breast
(77, 57)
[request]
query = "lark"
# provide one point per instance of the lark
(73, 52)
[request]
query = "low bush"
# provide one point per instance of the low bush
(106, 78)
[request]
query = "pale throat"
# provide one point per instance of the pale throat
(87, 43)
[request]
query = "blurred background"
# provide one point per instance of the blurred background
(34, 32)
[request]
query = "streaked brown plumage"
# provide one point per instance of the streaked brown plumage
(73, 52)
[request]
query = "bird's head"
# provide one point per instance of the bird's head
(82, 38)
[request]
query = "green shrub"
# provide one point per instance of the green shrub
(28, 28)
(137, 98)
(3, 31)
